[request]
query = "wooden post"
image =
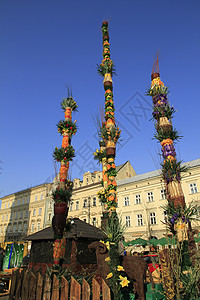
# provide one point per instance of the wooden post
(95, 290)
(86, 290)
(55, 288)
(32, 287)
(39, 287)
(75, 290)
(47, 288)
(64, 289)
(105, 291)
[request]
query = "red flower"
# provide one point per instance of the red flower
(71, 127)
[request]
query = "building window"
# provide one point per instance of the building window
(16, 215)
(20, 227)
(11, 216)
(23, 201)
(152, 218)
(71, 206)
(128, 221)
(41, 196)
(9, 228)
(94, 221)
(126, 201)
(38, 226)
(84, 220)
(35, 198)
(6, 217)
(163, 194)
(49, 217)
(193, 188)
(28, 199)
(150, 196)
(25, 228)
(165, 216)
(85, 203)
(8, 205)
(77, 205)
(18, 202)
(139, 220)
(5, 206)
(15, 228)
(40, 211)
(137, 199)
(21, 215)
(32, 227)
(94, 203)
(34, 212)
(3, 218)
(87, 180)
(26, 215)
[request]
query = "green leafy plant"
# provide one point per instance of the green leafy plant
(157, 89)
(172, 134)
(62, 195)
(99, 155)
(64, 154)
(69, 102)
(107, 66)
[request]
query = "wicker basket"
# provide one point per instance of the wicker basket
(154, 75)
(164, 124)
(181, 230)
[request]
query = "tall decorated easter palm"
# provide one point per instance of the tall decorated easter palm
(109, 134)
(171, 168)
(63, 192)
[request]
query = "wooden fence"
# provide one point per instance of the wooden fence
(29, 286)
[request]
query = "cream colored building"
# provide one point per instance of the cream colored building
(23, 213)
(140, 202)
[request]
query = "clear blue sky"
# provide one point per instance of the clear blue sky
(46, 44)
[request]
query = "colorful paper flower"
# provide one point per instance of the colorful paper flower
(124, 281)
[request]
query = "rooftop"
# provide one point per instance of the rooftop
(190, 164)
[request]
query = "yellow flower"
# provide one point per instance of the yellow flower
(107, 259)
(109, 275)
(107, 245)
(120, 268)
(124, 281)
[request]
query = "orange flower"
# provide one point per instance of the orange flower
(111, 198)
(166, 142)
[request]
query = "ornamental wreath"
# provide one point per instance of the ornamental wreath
(67, 126)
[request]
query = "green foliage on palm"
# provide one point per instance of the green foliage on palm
(69, 102)
(106, 66)
(99, 155)
(62, 195)
(171, 170)
(64, 154)
(67, 126)
(172, 134)
(157, 89)
(113, 134)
